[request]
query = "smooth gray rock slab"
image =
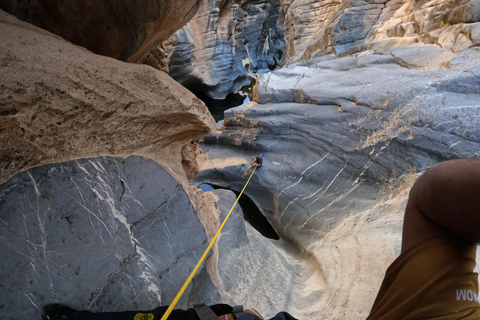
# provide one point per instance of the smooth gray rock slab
(104, 234)
(343, 141)
(255, 271)
(336, 132)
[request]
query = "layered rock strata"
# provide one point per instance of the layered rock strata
(60, 102)
(313, 28)
(343, 140)
(125, 30)
(226, 42)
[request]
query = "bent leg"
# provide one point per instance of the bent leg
(446, 197)
(433, 277)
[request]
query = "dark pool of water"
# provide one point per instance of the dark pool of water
(217, 107)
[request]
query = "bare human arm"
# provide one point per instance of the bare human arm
(445, 198)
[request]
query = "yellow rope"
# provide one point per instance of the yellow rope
(247, 171)
(190, 277)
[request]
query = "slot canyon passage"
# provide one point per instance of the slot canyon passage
(103, 147)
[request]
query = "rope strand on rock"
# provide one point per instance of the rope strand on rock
(190, 277)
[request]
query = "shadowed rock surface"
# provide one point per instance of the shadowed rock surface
(224, 43)
(60, 102)
(124, 30)
(124, 234)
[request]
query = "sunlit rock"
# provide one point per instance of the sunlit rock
(313, 28)
(60, 102)
(343, 141)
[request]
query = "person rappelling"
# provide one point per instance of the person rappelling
(257, 161)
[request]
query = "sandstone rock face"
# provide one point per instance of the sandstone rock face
(125, 30)
(223, 43)
(343, 141)
(313, 28)
(60, 102)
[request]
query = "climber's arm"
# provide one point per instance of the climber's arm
(445, 197)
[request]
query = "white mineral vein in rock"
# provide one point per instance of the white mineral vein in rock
(302, 174)
(146, 276)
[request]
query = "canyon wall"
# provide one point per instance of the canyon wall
(125, 30)
(225, 44)
(97, 154)
(61, 102)
(228, 40)
(314, 28)
(343, 141)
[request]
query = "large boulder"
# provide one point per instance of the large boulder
(99, 234)
(343, 141)
(224, 44)
(60, 102)
(125, 30)
(313, 28)
(113, 234)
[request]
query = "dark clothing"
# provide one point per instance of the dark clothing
(156, 314)
(178, 314)
(259, 161)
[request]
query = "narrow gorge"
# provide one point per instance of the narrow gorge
(105, 143)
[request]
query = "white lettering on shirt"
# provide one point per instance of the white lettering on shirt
(464, 294)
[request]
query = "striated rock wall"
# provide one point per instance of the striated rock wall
(60, 102)
(313, 28)
(228, 40)
(224, 43)
(125, 30)
(343, 141)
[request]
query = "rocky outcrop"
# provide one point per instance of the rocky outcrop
(226, 42)
(90, 236)
(343, 141)
(125, 30)
(124, 234)
(223, 43)
(313, 28)
(60, 102)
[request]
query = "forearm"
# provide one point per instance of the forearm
(449, 195)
